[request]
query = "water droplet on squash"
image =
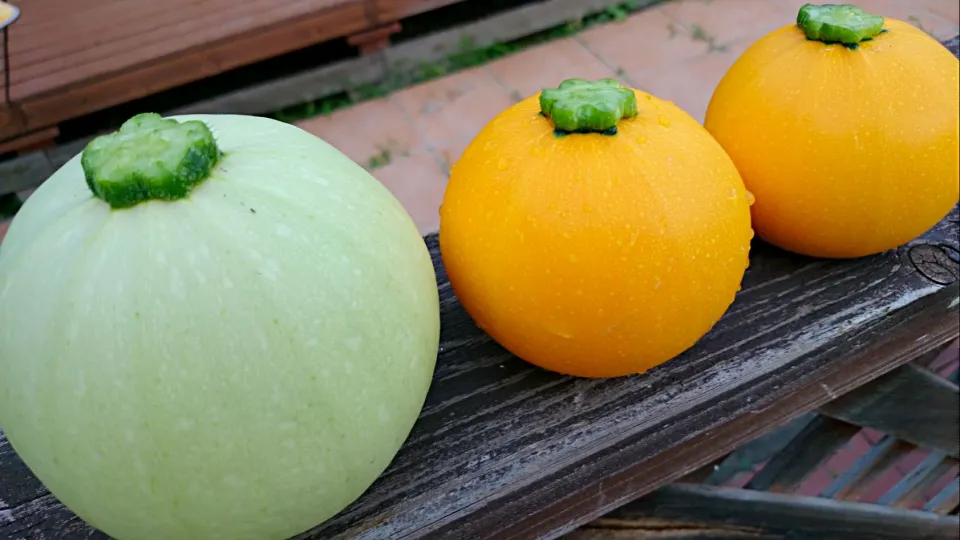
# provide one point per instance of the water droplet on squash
(641, 139)
(490, 145)
(537, 151)
(503, 164)
(663, 120)
(751, 198)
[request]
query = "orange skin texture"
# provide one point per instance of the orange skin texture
(849, 152)
(595, 255)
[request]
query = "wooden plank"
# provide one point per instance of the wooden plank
(504, 450)
(760, 450)
(121, 35)
(111, 88)
(701, 474)
(22, 173)
(947, 500)
(37, 140)
(914, 489)
(907, 485)
(854, 481)
(688, 512)
(909, 403)
(476, 467)
(815, 443)
(393, 10)
(948, 355)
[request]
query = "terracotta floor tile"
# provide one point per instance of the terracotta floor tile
(367, 132)
(689, 84)
(871, 435)
(547, 65)
(910, 461)
(881, 485)
(449, 111)
(645, 40)
(449, 153)
(815, 483)
(418, 182)
(948, 10)
(913, 13)
(724, 21)
(848, 455)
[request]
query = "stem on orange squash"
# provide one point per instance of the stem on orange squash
(149, 158)
(838, 23)
(582, 106)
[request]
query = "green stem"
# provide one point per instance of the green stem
(149, 158)
(581, 106)
(838, 23)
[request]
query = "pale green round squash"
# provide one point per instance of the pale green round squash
(231, 357)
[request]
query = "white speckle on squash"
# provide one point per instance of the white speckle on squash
(270, 270)
(353, 343)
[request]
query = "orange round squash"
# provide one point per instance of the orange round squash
(595, 230)
(845, 128)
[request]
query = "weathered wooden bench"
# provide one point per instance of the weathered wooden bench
(813, 348)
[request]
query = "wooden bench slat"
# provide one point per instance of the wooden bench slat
(688, 511)
(928, 472)
(912, 480)
(852, 483)
(947, 500)
(759, 450)
(815, 443)
(474, 466)
(909, 403)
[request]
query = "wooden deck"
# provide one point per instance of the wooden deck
(67, 62)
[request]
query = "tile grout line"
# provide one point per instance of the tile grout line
(514, 93)
(617, 70)
(421, 139)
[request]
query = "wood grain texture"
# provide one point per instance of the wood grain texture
(687, 512)
(818, 440)
(113, 51)
(505, 450)
(910, 403)
(853, 483)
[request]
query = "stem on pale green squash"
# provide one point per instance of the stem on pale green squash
(838, 23)
(582, 106)
(149, 158)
